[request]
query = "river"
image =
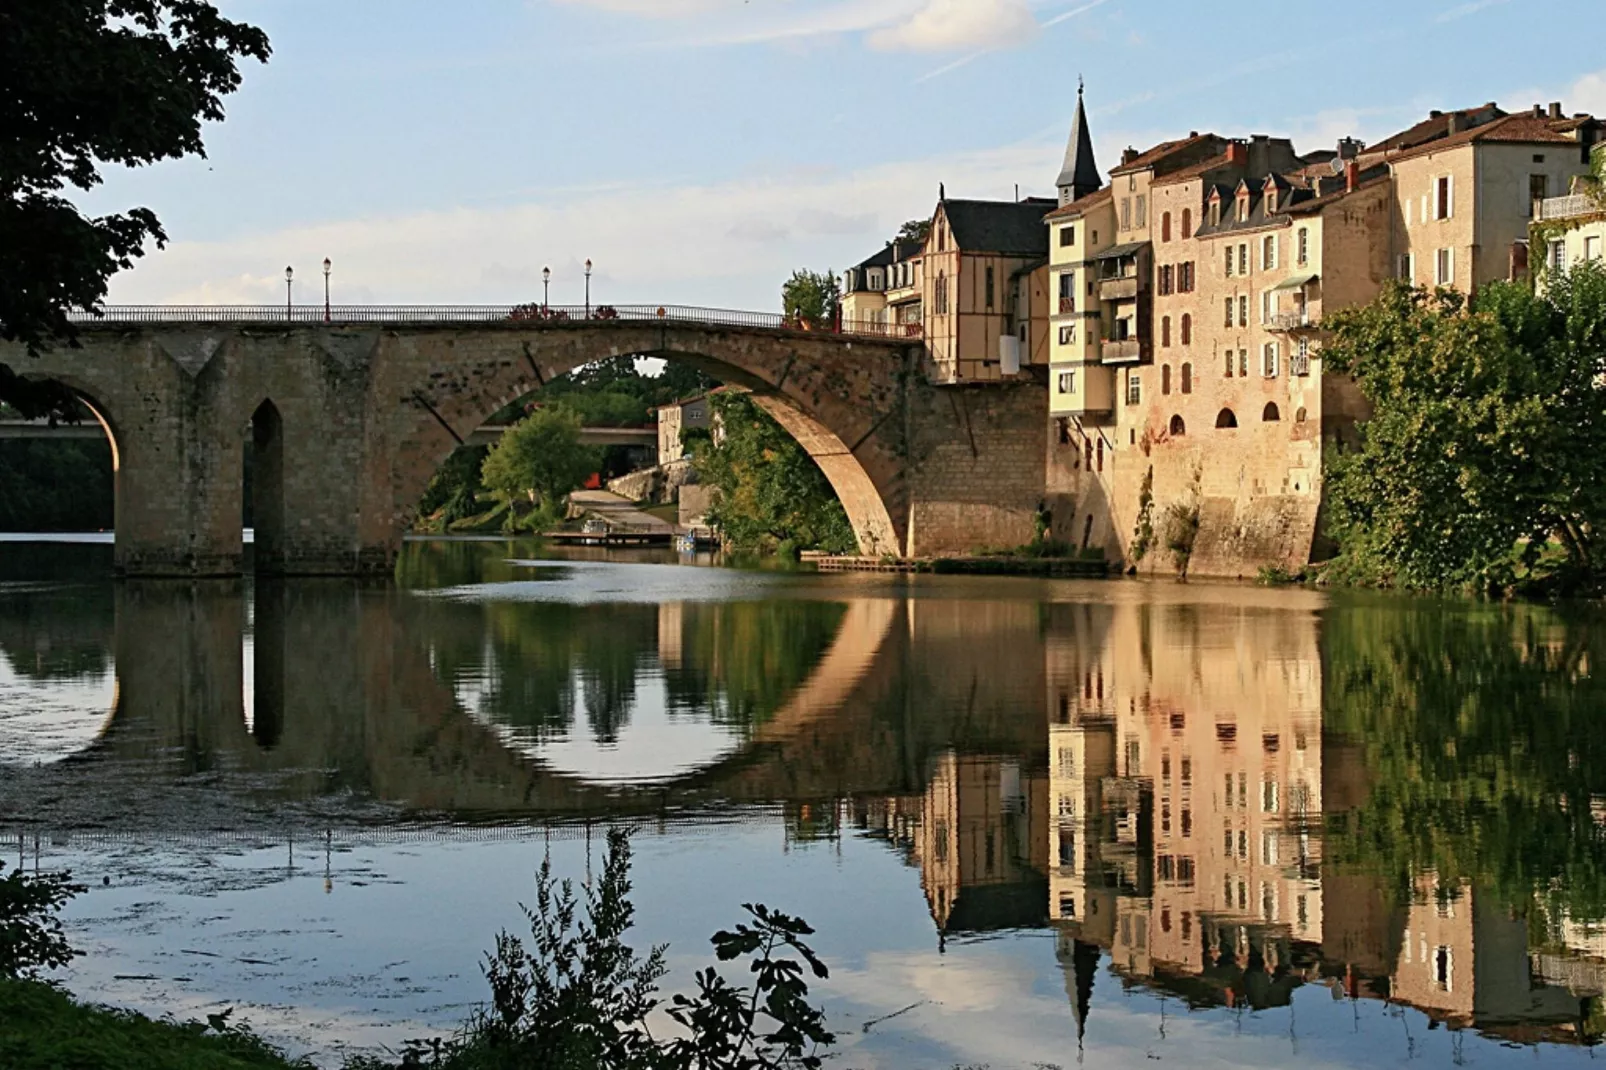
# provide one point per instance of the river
(1033, 822)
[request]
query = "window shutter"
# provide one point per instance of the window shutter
(1449, 196)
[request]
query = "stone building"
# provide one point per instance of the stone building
(677, 417)
(1185, 340)
(1570, 229)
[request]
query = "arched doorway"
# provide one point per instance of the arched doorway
(1178, 428)
(1225, 418)
(266, 500)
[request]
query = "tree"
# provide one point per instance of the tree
(811, 297)
(770, 491)
(538, 461)
(31, 936)
(915, 230)
(1485, 457)
(85, 83)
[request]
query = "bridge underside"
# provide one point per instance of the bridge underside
(346, 425)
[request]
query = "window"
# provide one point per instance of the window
(1227, 306)
(1187, 332)
(1225, 418)
(940, 297)
(1187, 375)
(1178, 429)
(1094, 238)
(989, 288)
(1268, 253)
(1067, 291)
(1167, 279)
(1185, 278)
(1243, 207)
(1558, 255)
(1443, 198)
(1445, 274)
(1134, 390)
(1406, 269)
(1301, 361)
(1229, 261)
(1229, 364)
(1243, 363)
(1165, 226)
(1299, 418)
(1142, 212)
(1538, 190)
(1243, 258)
(1068, 334)
(1187, 223)
(1592, 247)
(942, 240)
(1303, 246)
(1165, 334)
(1126, 213)
(1067, 382)
(1269, 414)
(1100, 451)
(1443, 969)
(1269, 369)
(1243, 310)
(1266, 302)
(1165, 379)
(1068, 236)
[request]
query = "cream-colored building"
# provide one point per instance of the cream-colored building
(1569, 230)
(677, 417)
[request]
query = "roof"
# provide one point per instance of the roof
(1203, 167)
(1436, 126)
(1082, 204)
(1159, 153)
(1292, 199)
(1117, 251)
(1079, 171)
(1519, 129)
(1006, 227)
(878, 259)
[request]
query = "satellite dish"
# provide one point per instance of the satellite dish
(1337, 165)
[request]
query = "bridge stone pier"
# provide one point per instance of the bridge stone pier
(347, 423)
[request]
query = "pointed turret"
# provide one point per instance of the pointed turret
(1080, 175)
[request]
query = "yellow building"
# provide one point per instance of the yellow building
(1569, 230)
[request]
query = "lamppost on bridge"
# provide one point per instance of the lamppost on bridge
(326, 267)
(588, 287)
(289, 275)
(546, 288)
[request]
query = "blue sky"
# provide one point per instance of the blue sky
(698, 150)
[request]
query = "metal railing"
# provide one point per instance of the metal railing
(1290, 321)
(531, 314)
(1575, 204)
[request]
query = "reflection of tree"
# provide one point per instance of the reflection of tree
(1480, 729)
(740, 661)
(58, 634)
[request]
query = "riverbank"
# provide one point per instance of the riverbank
(1002, 565)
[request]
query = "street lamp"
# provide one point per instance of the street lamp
(546, 287)
(588, 287)
(289, 274)
(326, 267)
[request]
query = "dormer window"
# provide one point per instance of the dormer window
(1271, 200)
(1215, 212)
(1243, 207)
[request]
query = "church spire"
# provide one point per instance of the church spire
(1080, 175)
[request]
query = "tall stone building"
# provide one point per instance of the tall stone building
(1185, 337)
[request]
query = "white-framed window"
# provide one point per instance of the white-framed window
(1134, 389)
(1269, 365)
(1558, 255)
(1445, 273)
(1068, 235)
(1444, 197)
(1067, 382)
(1407, 212)
(1268, 847)
(1304, 246)
(1229, 261)
(1227, 305)
(1067, 334)
(1243, 373)
(1243, 310)
(1592, 245)
(1406, 268)
(1268, 796)
(1301, 362)
(1243, 258)
(1268, 253)
(1141, 211)
(1268, 305)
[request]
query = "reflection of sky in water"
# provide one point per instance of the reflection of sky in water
(651, 745)
(47, 720)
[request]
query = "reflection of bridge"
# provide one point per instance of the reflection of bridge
(347, 420)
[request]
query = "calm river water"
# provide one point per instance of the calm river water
(1033, 822)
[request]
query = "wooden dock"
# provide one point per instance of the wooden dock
(1066, 567)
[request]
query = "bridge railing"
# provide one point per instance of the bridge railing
(534, 314)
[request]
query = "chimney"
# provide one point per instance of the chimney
(1348, 148)
(1539, 111)
(1128, 156)
(1237, 154)
(1193, 133)
(1352, 173)
(1435, 113)
(1555, 109)
(1454, 125)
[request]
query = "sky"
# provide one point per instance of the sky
(698, 151)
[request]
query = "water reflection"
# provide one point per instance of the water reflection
(1218, 797)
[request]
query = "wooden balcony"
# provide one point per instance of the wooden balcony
(1121, 288)
(1122, 351)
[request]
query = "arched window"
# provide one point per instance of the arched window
(1165, 226)
(1178, 428)
(1225, 418)
(941, 297)
(1187, 329)
(1270, 414)
(1165, 378)
(1165, 331)
(1187, 223)
(1187, 378)
(1299, 415)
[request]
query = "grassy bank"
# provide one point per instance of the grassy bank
(43, 1028)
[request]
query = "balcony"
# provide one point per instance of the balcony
(1122, 351)
(1067, 305)
(1569, 207)
(1121, 288)
(1294, 321)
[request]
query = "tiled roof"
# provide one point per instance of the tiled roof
(1154, 156)
(1081, 204)
(1006, 227)
(1183, 174)
(1435, 127)
(1520, 129)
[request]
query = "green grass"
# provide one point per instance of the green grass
(43, 1028)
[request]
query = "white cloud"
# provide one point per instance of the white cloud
(1588, 94)
(658, 9)
(727, 244)
(949, 25)
(1471, 8)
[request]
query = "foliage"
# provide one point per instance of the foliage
(609, 408)
(1488, 437)
(30, 933)
(1181, 529)
(811, 298)
(55, 485)
(770, 490)
(454, 493)
(579, 997)
(915, 230)
(1478, 729)
(43, 1028)
(538, 461)
(85, 83)
(1143, 530)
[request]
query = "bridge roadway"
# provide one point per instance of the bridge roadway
(480, 436)
(348, 417)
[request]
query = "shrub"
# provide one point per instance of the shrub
(31, 937)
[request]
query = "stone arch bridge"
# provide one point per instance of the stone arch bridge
(348, 417)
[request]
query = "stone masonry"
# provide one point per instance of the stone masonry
(349, 423)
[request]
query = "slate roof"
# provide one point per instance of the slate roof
(1292, 199)
(1010, 228)
(1082, 204)
(1157, 155)
(1079, 171)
